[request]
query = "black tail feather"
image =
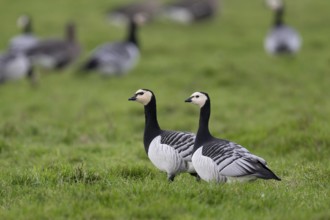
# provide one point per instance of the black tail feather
(265, 173)
(283, 48)
(198, 178)
(61, 64)
(90, 65)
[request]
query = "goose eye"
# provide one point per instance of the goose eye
(140, 93)
(197, 96)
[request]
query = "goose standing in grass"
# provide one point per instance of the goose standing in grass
(169, 151)
(116, 58)
(146, 11)
(56, 53)
(221, 160)
(26, 39)
(189, 11)
(281, 39)
(15, 65)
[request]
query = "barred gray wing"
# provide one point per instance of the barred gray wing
(114, 51)
(232, 159)
(183, 142)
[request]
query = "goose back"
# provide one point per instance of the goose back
(145, 11)
(56, 53)
(233, 160)
(22, 43)
(188, 11)
(182, 142)
(117, 57)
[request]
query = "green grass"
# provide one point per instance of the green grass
(71, 148)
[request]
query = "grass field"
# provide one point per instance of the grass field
(71, 148)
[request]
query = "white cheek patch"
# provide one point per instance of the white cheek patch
(200, 101)
(22, 21)
(145, 98)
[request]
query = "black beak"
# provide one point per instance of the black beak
(188, 99)
(133, 98)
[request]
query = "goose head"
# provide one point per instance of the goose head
(24, 23)
(143, 96)
(274, 5)
(198, 98)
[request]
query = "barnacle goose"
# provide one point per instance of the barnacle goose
(145, 10)
(222, 160)
(56, 53)
(189, 11)
(15, 65)
(26, 39)
(281, 38)
(169, 151)
(117, 57)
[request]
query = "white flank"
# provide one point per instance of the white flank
(165, 157)
(284, 35)
(17, 68)
(23, 42)
(206, 167)
(116, 61)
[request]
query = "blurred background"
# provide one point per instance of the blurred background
(222, 54)
(277, 105)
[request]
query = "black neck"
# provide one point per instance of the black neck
(203, 133)
(70, 32)
(131, 37)
(152, 128)
(27, 29)
(278, 21)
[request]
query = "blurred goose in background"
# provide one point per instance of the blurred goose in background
(15, 65)
(117, 57)
(189, 11)
(145, 10)
(56, 53)
(281, 39)
(26, 39)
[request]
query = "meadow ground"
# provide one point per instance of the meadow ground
(71, 148)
